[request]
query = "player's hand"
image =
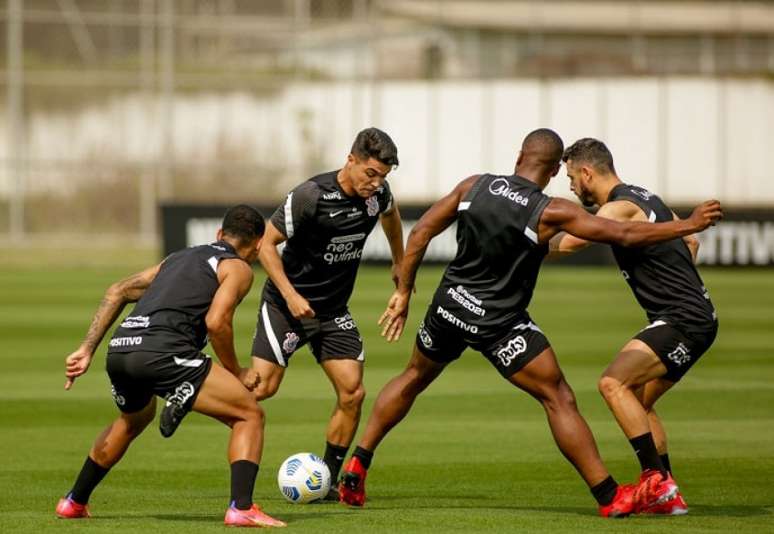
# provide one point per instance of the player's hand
(249, 377)
(299, 307)
(706, 214)
(76, 364)
(394, 317)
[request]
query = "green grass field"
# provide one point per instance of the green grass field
(475, 454)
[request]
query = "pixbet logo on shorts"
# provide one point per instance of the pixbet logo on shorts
(681, 355)
(510, 351)
(182, 393)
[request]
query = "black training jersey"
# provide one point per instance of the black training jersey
(662, 276)
(326, 231)
(492, 277)
(170, 315)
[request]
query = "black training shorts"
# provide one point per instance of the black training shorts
(442, 337)
(136, 376)
(278, 335)
(677, 349)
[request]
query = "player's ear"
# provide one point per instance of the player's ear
(519, 158)
(351, 159)
(219, 235)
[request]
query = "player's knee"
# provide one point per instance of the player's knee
(352, 400)
(417, 380)
(252, 413)
(136, 423)
(559, 397)
(609, 387)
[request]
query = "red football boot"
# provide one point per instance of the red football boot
(67, 508)
(674, 506)
(654, 489)
(622, 504)
(352, 485)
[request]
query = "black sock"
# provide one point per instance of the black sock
(665, 460)
(243, 473)
(334, 457)
(604, 492)
(646, 452)
(91, 474)
(364, 455)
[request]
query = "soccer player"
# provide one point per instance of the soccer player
(665, 282)
(324, 224)
(504, 224)
(182, 301)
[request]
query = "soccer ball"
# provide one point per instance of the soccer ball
(304, 478)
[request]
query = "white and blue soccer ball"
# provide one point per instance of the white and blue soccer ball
(304, 478)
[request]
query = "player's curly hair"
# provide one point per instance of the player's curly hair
(374, 143)
(591, 151)
(243, 222)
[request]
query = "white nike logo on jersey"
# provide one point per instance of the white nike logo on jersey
(334, 213)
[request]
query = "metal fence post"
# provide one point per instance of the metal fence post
(15, 106)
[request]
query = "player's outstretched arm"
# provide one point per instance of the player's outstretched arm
(235, 278)
(433, 222)
(564, 244)
(393, 229)
(564, 215)
(272, 263)
(116, 297)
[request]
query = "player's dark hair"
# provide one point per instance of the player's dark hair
(544, 145)
(374, 143)
(243, 222)
(591, 151)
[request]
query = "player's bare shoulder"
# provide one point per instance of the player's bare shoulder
(235, 268)
(622, 210)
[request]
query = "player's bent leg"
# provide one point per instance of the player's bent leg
(107, 450)
(346, 376)
(223, 397)
(111, 445)
(392, 404)
(648, 395)
(271, 377)
(635, 365)
(543, 379)
(397, 396)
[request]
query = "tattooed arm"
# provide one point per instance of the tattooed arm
(116, 297)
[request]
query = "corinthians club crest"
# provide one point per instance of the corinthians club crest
(372, 205)
(290, 343)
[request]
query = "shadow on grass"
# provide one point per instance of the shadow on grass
(288, 517)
